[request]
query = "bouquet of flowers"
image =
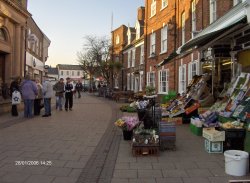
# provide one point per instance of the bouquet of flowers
(127, 123)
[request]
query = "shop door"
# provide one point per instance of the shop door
(2, 67)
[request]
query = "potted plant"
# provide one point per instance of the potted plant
(150, 90)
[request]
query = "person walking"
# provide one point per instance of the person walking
(68, 95)
(59, 89)
(15, 86)
(79, 88)
(47, 94)
(38, 99)
(29, 92)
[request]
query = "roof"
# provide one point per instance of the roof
(53, 70)
(68, 67)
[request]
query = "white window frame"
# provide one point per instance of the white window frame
(237, 2)
(191, 71)
(133, 57)
(151, 78)
(116, 83)
(132, 80)
(128, 81)
(67, 73)
(162, 82)
(129, 36)
(183, 27)
(61, 73)
(138, 30)
(153, 8)
(142, 54)
(129, 58)
(117, 39)
(73, 73)
(182, 78)
(164, 39)
(164, 4)
(78, 73)
(152, 43)
(193, 17)
(213, 10)
(141, 80)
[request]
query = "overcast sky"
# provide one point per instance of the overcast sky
(66, 22)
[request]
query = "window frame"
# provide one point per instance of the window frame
(153, 8)
(151, 80)
(152, 46)
(129, 56)
(182, 78)
(183, 28)
(160, 81)
(133, 57)
(212, 11)
(128, 81)
(193, 17)
(162, 4)
(164, 31)
(142, 54)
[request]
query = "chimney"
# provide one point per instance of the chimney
(141, 13)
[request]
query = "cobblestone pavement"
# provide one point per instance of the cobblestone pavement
(68, 140)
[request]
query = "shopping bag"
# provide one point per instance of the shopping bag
(16, 97)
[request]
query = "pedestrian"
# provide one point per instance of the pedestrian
(15, 87)
(38, 99)
(59, 89)
(47, 94)
(29, 92)
(79, 88)
(68, 95)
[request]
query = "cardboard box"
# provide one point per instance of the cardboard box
(213, 147)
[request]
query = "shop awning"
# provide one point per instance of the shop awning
(235, 16)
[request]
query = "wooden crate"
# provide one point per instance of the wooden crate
(145, 150)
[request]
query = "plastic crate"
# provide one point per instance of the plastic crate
(176, 120)
(213, 147)
(223, 119)
(213, 135)
(145, 150)
(195, 130)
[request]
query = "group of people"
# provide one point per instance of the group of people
(36, 95)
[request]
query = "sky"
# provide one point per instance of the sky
(66, 22)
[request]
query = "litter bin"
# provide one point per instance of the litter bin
(236, 162)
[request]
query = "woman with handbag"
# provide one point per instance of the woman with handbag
(38, 99)
(15, 87)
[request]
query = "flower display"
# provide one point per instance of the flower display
(127, 123)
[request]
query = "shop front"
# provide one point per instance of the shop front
(34, 66)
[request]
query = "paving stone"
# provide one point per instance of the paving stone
(219, 179)
(71, 157)
(30, 148)
(141, 166)
(40, 179)
(65, 180)
(167, 165)
(119, 180)
(218, 172)
(50, 156)
(58, 163)
(75, 164)
(199, 173)
(55, 171)
(174, 173)
(126, 160)
(14, 177)
(11, 168)
(148, 180)
(195, 180)
(147, 159)
(169, 180)
(149, 173)
(30, 154)
(125, 174)
(122, 166)
(35, 169)
(186, 165)
(76, 172)
(207, 164)
(12, 153)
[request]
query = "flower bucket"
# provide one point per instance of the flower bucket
(127, 135)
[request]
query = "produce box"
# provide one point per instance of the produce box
(223, 119)
(213, 135)
(177, 120)
(201, 110)
(195, 130)
(145, 150)
(213, 147)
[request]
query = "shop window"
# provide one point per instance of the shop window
(151, 79)
(182, 78)
(152, 44)
(163, 81)
(212, 11)
(164, 39)
(153, 8)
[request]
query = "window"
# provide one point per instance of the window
(182, 78)
(132, 82)
(153, 8)
(237, 2)
(151, 79)
(2, 35)
(129, 58)
(163, 81)
(138, 30)
(117, 39)
(67, 73)
(73, 73)
(62, 73)
(40, 49)
(117, 58)
(78, 73)
(141, 81)
(164, 39)
(212, 11)
(193, 17)
(116, 83)
(193, 69)
(129, 36)
(128, 81)
(142, 55)
(183, 28)
(152, 44)
(133, 58)
(164, 4)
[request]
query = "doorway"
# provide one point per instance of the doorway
(2, 68)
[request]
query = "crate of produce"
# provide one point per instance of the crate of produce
(213, 147)
(176, 120)
(195, 130)
(213, 135)
(167, 133)
(223, 119)
(145, 150)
